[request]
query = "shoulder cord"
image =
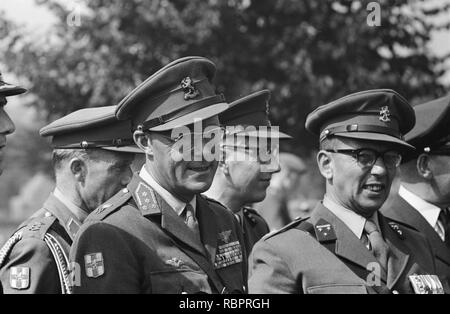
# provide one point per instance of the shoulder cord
(7, 247)
(62, 262)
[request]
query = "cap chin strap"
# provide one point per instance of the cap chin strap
(206, 102)
(360, 128)
(97, 144)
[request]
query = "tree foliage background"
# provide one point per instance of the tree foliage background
(306, 52)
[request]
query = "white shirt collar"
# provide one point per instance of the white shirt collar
(429, 211)
(177, 205)
(79, 213)
(351, 219)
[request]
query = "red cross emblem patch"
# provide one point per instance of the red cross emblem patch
(94, 265)
(19, 278)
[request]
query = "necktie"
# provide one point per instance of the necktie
(378, 246)
(190, 219)
(442, 226)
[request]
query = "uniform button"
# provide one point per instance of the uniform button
(125, 190)
(48, 214)
(395, 292)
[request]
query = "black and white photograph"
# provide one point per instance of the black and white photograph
(236, 148)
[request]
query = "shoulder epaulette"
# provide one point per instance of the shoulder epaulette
(289, 226)
(110, 206)
(36, 227)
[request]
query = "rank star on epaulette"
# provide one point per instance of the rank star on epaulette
(143, 194)
(324, 231)
(19, 278)
(94, 265)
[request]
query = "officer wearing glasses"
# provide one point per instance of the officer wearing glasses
(250, 157)
(347, 246)
(423, 199)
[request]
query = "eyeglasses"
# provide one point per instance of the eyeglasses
(263, 155)
(367, 157)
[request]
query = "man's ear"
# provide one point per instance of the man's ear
(78, 168)
(143, 142)
(324, 162)
(423, 166)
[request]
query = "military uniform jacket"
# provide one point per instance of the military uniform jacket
(35, 258)
(254, 227)
(402, 211)
(321, 255)
(136, 243)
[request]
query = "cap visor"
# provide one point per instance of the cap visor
(190, 118)
(125, 149)
(11, 90)
(265, 133)
(377, 137)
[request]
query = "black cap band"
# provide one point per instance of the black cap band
(183, 111)
(360, 128)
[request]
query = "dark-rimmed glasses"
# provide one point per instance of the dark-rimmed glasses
(367, 157)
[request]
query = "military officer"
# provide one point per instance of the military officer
(160, 235)
(423, 198)
(6, 125)
(244, 174)
(346, 246)
(92, 154)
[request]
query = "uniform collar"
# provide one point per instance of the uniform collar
(176, 204)
(429, 211)
(79, 213)
(351, 219)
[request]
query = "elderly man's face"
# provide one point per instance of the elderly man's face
(6, 127)
(183, 178)
(361, 189)
(107, 173)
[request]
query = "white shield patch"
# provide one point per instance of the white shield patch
(19, 278)
(93, 264)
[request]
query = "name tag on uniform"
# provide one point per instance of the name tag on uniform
(426, 284)
(228, 254)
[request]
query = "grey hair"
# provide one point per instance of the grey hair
(329, 143)
(61, 155)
